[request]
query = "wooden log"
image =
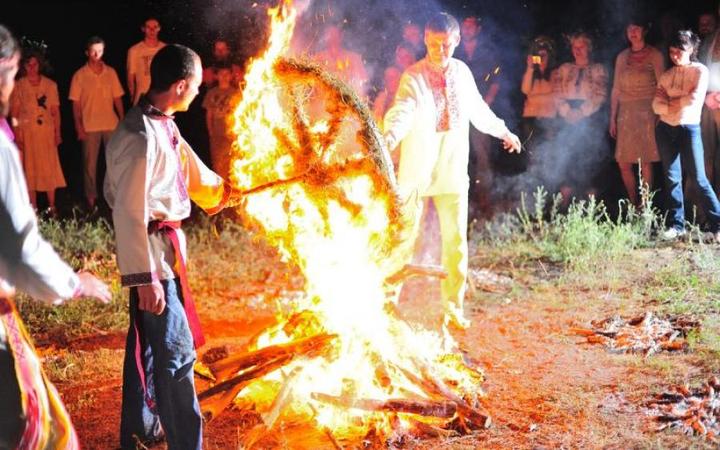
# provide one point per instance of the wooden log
(214, 400)
(411, 270)
(248, 375)
(310, 346)
(437, 388)
(443, 410)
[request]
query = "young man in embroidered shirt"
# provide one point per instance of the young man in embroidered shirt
(152, 175)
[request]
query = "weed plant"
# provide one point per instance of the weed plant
(583, 238)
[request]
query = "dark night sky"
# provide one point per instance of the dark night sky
(65, 26)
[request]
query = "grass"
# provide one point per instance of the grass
(84, 245)
(581, 262)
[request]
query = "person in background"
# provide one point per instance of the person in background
(152, 176)
(539, 109)
(632, 120)
(477, 54)
(678, 101)
(709, 55)
(344, 63)
(33, 415)
(221, 57)
(429, 119)
(404, 56)
(391, 81)
(219, 103)
(139, 57)
(412, 37)
(96, 95)
(35, 105)
(707, 24)
(580, 92)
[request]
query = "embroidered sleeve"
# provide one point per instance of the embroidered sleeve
(399, 118)
(206, 188)
(27, 261)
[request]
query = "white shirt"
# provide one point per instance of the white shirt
(139, 57)
(686, 86)
(433, 128)
(96, 93)
(151, 178)
(27, 261)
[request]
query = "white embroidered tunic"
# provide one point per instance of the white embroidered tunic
(27, 261)
(152, 174)
(430, 119)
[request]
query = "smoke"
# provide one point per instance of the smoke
(373, 30)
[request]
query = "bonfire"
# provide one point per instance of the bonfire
(319, 186)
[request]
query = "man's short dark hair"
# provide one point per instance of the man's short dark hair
(94, 40)
(8, 44)
(442, 23)
(172, 63)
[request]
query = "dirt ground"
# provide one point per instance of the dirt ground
(544, 388)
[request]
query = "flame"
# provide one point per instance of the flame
(341, 236)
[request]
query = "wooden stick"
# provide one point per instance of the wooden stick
(411, 270)
(248, 375)
(228, 366)
(443, 410)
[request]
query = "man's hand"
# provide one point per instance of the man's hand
(152, 298)
(613, 128)
(81, 134)
(511, 143)
(91, 286)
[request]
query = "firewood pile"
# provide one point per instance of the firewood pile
(435, 408)
(694, 412)
(488, 281)
(646, 334)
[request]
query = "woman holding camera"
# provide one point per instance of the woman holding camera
(632, 120)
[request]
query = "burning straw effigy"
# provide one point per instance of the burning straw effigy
(319, 186)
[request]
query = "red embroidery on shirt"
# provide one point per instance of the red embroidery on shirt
(444, 91)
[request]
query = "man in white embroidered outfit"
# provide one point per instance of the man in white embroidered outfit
(33, 415)
(152, 174)
(435, 103)
(139, 57)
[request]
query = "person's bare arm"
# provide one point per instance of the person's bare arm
(119, 109)
(77, 116)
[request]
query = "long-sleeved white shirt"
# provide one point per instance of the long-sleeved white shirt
(152, 174)
(686, 86)
(27, 261)
(431, 124)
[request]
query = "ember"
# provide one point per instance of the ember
(319, 185)
(646, 334)
(691, 411)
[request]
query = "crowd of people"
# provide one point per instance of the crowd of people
(436, 114)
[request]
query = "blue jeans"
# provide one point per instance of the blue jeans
(168, 357)
(681, 145)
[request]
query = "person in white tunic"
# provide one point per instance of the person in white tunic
(152, 175)
(430, 117)
(33, 415)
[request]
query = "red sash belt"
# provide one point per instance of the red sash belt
(170, 230)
